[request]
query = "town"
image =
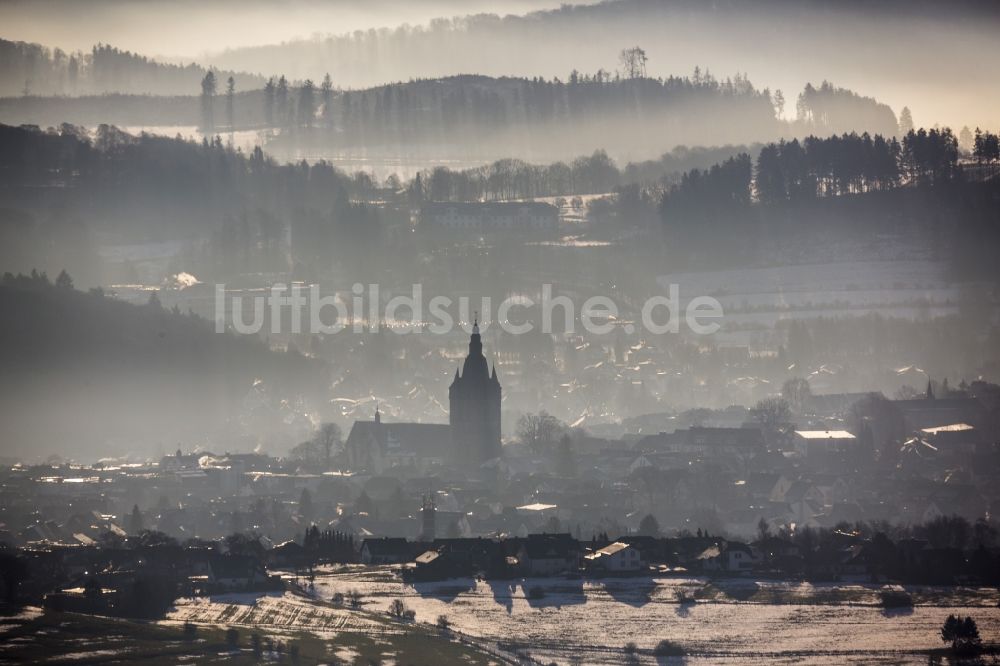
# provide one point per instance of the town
(493, 332)
(747, 492)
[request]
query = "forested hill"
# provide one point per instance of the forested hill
(481, 118)
(34, 69)
(87, 373)
(874, 47)
(542, 42)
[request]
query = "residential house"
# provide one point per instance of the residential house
(730, 557)
(549, 554)
(386, 550)
(616, 557)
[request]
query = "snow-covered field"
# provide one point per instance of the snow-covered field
(828, 624)
(903, 288)
(277, 610)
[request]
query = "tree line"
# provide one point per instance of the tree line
(482, 116)
(820, 167)
(157, 187)
(33, 69)
(247, 204)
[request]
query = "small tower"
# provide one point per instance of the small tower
(378, 415)
(427, 512)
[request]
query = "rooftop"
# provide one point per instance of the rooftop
(824, 434)
(954, 427)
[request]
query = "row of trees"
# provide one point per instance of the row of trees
(509, 179)
(818, 167)
(168, 188)
(784, 171)
(32, 69)
(832, 109)
(484, 115)
(986, 148)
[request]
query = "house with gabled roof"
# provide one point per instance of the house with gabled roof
(617, 557)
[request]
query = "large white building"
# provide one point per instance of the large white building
(811, 443)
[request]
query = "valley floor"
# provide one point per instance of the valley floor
(732, 621)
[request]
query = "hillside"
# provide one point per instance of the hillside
(33, 69)
(890, 48)
(480, 118)
(90, 374)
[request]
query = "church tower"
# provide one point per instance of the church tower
(474, 399)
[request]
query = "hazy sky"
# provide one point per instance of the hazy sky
(941, 64)
(187, 28)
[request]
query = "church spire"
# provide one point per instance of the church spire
(476, 342)
(474, 368)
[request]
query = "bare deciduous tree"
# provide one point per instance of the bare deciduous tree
(633, 61)
(539, 431)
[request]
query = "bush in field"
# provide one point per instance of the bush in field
(443, 623)
(895, 599)
(409, 615)
(355, 597)
(631, 654)
(667, 648)
(397, 608)
(338, 599)
(963, 634)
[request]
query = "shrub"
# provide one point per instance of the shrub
(667, 648)
(963, 634)
(443, 623)
(892, 598)
(397, 607)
